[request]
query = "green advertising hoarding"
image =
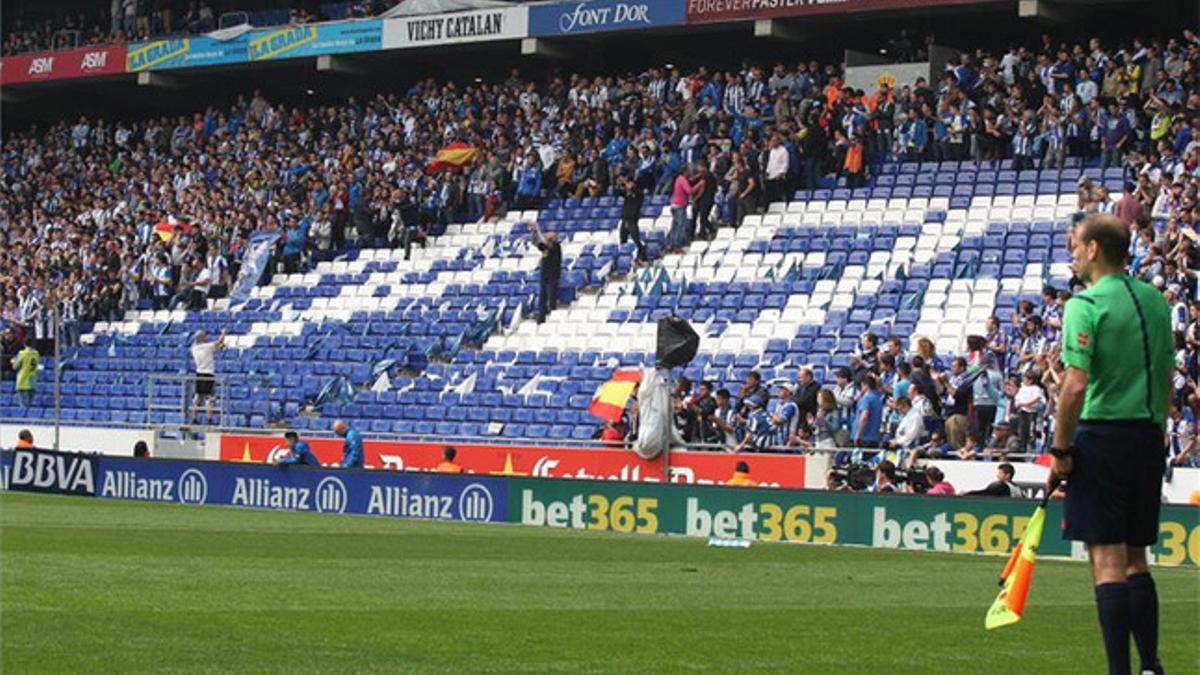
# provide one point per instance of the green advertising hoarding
(950, 524)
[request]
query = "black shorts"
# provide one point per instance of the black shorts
(1115, 492)
(204, 385)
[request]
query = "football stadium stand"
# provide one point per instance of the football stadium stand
(919, 225)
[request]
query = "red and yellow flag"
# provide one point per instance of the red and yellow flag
(610, 399)
(1018, 572)
(166, 230)
(452, 157)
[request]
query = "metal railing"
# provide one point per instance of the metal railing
(177, 394)
(231, 19)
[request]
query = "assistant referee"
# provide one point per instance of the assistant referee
(1108, 442)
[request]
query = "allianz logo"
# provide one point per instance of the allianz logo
(475, 502)
(329, 496)
(191, 487)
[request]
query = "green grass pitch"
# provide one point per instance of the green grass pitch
(106, 586)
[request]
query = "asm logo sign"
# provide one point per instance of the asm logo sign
(42, 66)
(94, 61)
(62, 65)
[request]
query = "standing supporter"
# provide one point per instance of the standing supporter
(551, 270)
(705, 185)
(631, 211)
(752, 387)
(785, 419)
(868, 416)
(806, 392)
(759, 434)
(26, 366)
(204, 355)
(826, 422)
(1028, 403)
(911, 427)
(352, 445)
(681, 195)
(777, 170)
(724, 420)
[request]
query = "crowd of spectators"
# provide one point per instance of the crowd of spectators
(82, 204)
(995, 400)
(137, 20)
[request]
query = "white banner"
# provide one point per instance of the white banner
(445, 29)
(104, 440)
(896, 75)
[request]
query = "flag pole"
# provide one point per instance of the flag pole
(57, 369)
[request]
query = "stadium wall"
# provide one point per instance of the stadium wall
(117, 442)
(912, 522)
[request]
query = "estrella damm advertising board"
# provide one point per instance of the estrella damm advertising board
(948, 524)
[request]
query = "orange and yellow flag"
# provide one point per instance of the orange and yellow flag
(1018, 572)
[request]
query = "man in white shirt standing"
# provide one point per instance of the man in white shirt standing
(201, 286)
(777, 170)
(911, 428)
(204, 355)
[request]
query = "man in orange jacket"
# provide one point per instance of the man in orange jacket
(447, 465)
(741, 476)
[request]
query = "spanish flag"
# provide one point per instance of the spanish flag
(1010, 604)
(166, 230)
(610, 399)
(453, 157)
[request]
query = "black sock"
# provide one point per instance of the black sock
(1112, 603)
(1143, 617)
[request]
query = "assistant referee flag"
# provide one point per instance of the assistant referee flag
(1017, 575)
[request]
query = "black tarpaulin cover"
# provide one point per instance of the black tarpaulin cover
(677, 343)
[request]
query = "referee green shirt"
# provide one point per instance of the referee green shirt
(1119, 333)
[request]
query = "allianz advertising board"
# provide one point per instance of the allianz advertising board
(291, 488)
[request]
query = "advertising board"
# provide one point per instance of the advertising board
(67, 65)
(911, 522)
(708, 11)
(572, 18)
(457, 28)
(259, 45)
(705, 468)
